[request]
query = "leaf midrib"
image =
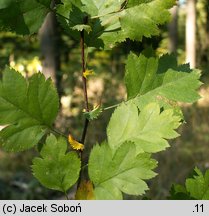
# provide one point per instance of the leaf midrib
(25, 112)
(113, 176)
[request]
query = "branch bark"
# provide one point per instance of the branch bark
(86, 103)
(84, 87)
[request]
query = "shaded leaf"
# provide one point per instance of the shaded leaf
(28, 109)
(56, 169)
(115, 21)
(23, 16)
(140, 74)
(196, 187)
(150, 79)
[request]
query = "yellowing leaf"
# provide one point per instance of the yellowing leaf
(87, 73)
(85, 191)
(75, 144)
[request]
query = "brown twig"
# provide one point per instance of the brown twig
(84, 85)
(85, 103)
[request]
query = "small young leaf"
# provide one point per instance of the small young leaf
(87, 28)
(88, 72)
(56, 169)
(94, 114)
(122, 171)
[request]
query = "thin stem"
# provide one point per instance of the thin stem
(84, 87)
(84, 166)
(111, 107)
(83, 70)
(58, 132)
(81, 176)
(84, 131)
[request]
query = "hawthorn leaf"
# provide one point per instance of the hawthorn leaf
(121, 171)
(87, 28)
(152, 78)
(169, 61)
(146, 19)
(179, 192)
(56, 169)
(148, 129)
(62, 11)
(114, 21)
(196, 187)
(27, 109)
(140, 74)
(25, 16)
(94, 114)
(149, 79)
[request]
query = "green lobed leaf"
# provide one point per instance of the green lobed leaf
(196, 187)
(115, 21)
(56, 169)
(153, 77)
(122, 171)
(149, 79)
(23, 16)
(87, 28)
(94, 114)
(148, 129)
(140, 74)
(28, 109)
(178, 192)
(146, 19)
